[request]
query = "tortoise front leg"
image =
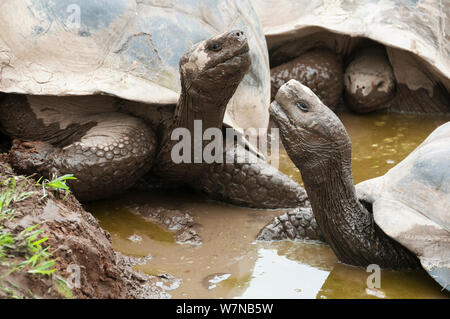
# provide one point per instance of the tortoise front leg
(107, 160)
(250, 182)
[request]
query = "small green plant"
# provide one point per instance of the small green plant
(12, 193)
(63, 288)
(25, 251)
(58, 184)
(12, 291)
(6, 242)
(38, 259)
(29, 244)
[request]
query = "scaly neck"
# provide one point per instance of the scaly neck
(339, 214)
(346, 224)
(192, 106)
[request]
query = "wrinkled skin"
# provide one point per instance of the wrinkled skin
(318, 144)
(368, 82)
(108, 151)
(318, 69)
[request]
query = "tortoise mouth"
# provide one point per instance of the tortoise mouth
(277, 113)
(280, 116)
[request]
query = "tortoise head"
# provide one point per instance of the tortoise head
(369, 81)
(217, 64)
(309, 129)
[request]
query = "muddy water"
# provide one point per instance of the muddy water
(230, 264)
(379, 141)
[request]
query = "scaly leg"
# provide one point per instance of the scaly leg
(253, 182)
(106, 152)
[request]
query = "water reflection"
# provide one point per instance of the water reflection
(350, 282)
(276, 276)
(229, 264)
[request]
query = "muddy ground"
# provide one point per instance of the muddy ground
(86, 264)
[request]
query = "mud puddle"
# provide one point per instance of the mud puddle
(230, 264)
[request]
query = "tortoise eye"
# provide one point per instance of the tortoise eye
(302, 106)
(215, 47)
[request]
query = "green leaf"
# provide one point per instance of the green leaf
(44, 268)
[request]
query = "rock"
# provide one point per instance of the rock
(179, 221)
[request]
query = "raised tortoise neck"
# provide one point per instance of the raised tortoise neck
(193, 104)
(196, 105)
(337, 211)
(346, 224)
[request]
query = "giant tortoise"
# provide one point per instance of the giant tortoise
(395, 53)
(391, 220)
(93, 88)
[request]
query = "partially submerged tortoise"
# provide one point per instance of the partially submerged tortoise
(395, 54)
(101, 99)
(411, 203)
(386, 221)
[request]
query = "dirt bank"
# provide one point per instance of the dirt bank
(82, 263)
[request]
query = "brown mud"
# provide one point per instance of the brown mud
(175, 225)
(76, 241)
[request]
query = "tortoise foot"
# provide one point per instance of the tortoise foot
(298, 224)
